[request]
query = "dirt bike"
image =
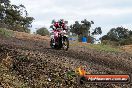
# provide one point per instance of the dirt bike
(59, 39)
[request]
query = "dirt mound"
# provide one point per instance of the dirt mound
(29, 61)
(23, 35)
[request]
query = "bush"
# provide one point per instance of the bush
(118, 36)
(19, 29)
(127, 41)
(4, 32)
(42, 31)
(108, 42)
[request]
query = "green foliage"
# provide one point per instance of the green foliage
(97, 31)
(120, 35)
(98, 47)
(20, 29)
(70, 74)
(5, 33)
(42, 31)
(106, 48)
(15, 17)
(108, 42)
(83, 29)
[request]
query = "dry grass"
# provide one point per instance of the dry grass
(22, 35)
(127, 48)
(7, 61)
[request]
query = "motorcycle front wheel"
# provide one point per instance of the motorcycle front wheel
(65, 43)
(52, 43)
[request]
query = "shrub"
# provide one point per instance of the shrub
(4, 32)
(42, 31)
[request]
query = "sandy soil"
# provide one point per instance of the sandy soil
(36, 65)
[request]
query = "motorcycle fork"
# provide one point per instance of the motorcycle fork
(62, 40)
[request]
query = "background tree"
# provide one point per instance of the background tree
(97, 31)
(42, 31)
(83, 29)
(14, 17)
(120, 35)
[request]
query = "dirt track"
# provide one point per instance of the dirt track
(34, 63)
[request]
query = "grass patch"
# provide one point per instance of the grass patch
(5, 32)
(102, 47)
(98, 47)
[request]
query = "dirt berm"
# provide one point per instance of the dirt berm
(29, 62)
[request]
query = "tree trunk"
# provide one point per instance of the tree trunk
(80, 37)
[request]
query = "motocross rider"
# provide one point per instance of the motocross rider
(56, 25)
(62, 24)
(59, 24)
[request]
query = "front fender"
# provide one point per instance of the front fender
(66, 36)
